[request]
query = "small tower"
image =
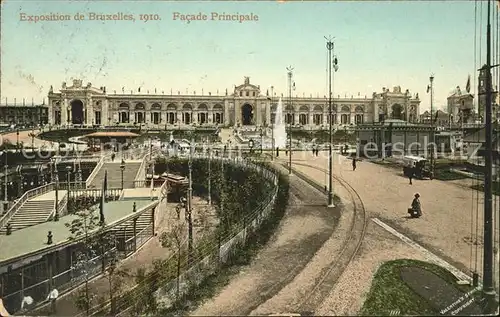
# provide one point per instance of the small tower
(481, 93)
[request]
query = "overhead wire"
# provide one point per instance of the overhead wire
(472, 237)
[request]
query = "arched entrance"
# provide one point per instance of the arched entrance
(77, 112)
(247, 114)
(397, 112)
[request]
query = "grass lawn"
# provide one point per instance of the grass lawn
(495, 188)
(389, 293)
(447, 175)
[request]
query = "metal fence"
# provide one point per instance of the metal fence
(214, 251)
(33, 280)
(223, 249)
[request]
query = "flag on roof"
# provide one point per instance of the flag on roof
(467, 87)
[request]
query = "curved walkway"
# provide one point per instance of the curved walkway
(445, 227)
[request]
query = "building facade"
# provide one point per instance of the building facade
(439, 118)
(23, 115)
(246, 105)
(461, 107)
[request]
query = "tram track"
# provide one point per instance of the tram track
(349, 249)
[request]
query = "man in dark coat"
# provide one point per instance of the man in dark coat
(411, 173)
(416, 208)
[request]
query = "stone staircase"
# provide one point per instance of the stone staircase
(31, 213)
(114, 175)
(127, 231)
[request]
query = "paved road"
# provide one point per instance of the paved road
(445, 227)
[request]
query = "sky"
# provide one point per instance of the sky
(377, 44)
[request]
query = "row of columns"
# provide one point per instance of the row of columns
(157, 117)
(322, 119)
(261, 113)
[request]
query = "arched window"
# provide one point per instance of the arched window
(344, 119)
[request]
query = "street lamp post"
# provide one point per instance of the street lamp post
(5, 193)
(209, 172)
(431, 87)
(150, 148)
(272, 125)
(290, 75)
(261, 138)
(329, 47)
(17, 135)
(345, 139)
(189, 205)
(68, 170)
(56, 181)
(122, 169)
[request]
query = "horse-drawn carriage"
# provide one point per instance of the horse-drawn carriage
(416, 166)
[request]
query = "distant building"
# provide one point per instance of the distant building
(441, 118)
(24, 115)
(482, 98)
(461, 107)
(246, 105)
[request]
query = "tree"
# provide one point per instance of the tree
(80, 228)
(93, 242)
(114, 275)
(173, 240)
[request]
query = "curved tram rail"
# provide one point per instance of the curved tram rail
(349, 248)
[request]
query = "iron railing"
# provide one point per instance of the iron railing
(25, 197)
(96, 170)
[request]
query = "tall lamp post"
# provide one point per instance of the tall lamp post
(261, 138)
(17, 135)
(329, 47)
(290, 84)
(272, 125)
(56, 181)
(189, 208)
(209, 172)
(431, 89)
(5, 192)
(122, 169)
(150, 147)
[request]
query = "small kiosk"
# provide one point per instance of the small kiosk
(107, 140)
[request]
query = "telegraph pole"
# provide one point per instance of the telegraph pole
(290, 74)
(488, 288)
(431, 87)
(329, 47)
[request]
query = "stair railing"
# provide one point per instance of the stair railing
(63, 203)
(141, 173)
(96, 170)
(25, 197)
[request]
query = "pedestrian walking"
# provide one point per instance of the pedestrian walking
(353, 163)
(411, 174)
